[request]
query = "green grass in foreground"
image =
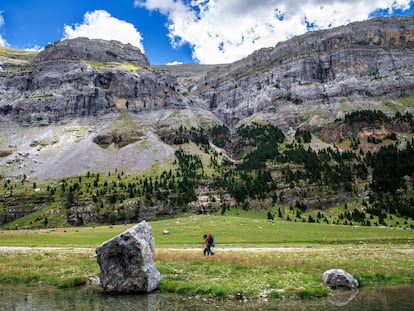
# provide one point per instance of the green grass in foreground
(375, 256)
(62, 269)
(279, 273)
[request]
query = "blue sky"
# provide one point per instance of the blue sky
(183, 31)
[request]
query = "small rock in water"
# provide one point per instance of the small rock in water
(335, 278)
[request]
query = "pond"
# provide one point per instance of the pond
(19, 298)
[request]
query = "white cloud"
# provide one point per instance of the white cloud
(101, 25)
(36, 48)
(221, 31)
(174, 63)
(2, 41)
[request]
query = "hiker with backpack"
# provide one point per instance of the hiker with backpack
(208, 244)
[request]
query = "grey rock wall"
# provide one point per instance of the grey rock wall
(85, 78)
(363, 60)
(81, 78)
(93, 50)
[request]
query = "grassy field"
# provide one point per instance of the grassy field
(17, 55)
(292, 264)
(236, 228)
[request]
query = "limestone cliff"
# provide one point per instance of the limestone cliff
(82, 78)
(314, 72)
(320, 70)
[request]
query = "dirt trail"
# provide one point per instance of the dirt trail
(221, 249)
(29, 248)
(193, 249)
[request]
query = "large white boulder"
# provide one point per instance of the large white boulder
(126, 262)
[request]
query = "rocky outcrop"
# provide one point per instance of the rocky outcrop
(363, 60)
(93, 50)
(126, 262)
(338, 131)
(120, 139)
(86, 78)
(338, 278)
(82, 212)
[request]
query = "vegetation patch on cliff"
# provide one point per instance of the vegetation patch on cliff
(119, 139)
(112, 65)
(5, 153)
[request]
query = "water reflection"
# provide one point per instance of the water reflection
(46, 299)
(343, 297)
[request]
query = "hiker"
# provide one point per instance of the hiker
(208, 244)
(206, 250)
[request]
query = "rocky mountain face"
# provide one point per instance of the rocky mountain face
(62, 108)
(84, 78)
(93, 105)
(81, 77)
(320, 70)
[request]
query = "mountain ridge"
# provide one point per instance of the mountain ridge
(358, 61)
(87, 85)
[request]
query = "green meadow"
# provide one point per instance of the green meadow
(253, 258)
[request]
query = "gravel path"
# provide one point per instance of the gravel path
(29, 248)
(219, 249)
(216, 249)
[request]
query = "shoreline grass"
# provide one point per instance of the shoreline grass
(280, 273)
(291, 266)
(227, 275)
